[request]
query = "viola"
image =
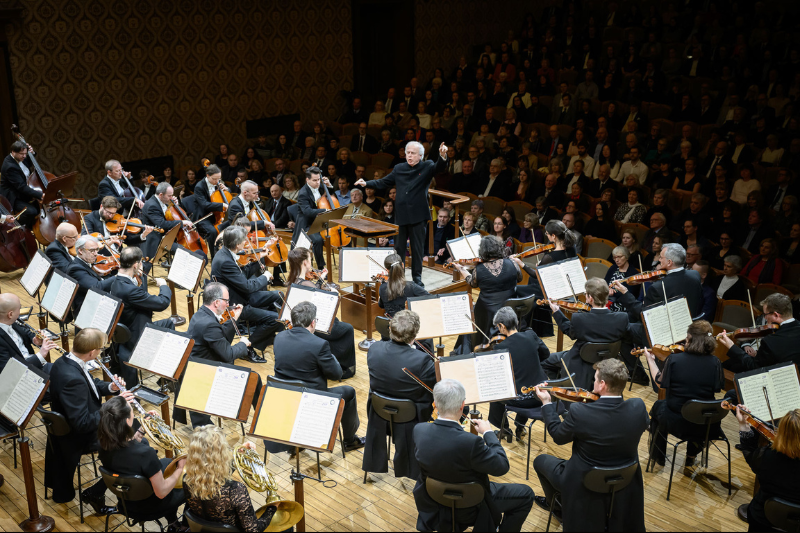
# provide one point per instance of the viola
(535, 250)
(751, 333)
(660, 351)
(644, 277)
(133, 225)
(764, 428)
(491, 344)
(572, 307)
(17, 243)
(380, 278)
(189, 238)
(566, 394)
(337, 235)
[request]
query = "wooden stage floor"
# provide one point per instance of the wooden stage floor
(699, 499)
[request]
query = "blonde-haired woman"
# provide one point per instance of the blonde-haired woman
(211, 491)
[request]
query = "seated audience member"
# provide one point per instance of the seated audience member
(632, 211)
(620, 270)
(765, 267)
(790, 248)
(708, 284)
(731, 286)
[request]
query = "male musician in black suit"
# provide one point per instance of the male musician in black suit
(301, 355)
(212, 340)
(17, 342)
(308, 211)
(447, 453)
(521, 346)
(600, 325)
(14, 184)
(81, 271)
(204, 206)
(154, 214)
(248, 287)
(242, 205)
(114, 185)
(603, 434)
(58, 250)
(95, 222)
(387, 361)
(276, 206)
(412, 180)
(130, 286)
(77, 396)
(779, 347)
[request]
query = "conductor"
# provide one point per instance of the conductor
(412, 180)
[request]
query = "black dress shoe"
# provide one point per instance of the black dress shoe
(520, 433)
(355, 444)
(278, 282)
(98, 504)
(253, 357)
(541, 501)
(419, 282)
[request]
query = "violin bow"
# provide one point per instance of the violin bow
(476, 327)
(410, 374)
(376, 263)
(644, 289)
(569, 376)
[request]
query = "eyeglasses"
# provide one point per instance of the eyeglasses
(227, 301)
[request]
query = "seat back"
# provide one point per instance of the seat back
(55, 423)
(595, 267)
(94, 203)
(121, 334)
(197, 524)
(735, 313)
(702, 412)
(129, 488)
(458, 495)
(521, 306)
(290, 382)
(395, 410)
(765, 289)
(382, 325)
(598, 248)
(189, 205)
(594, 352)
(783, 515)
(605, 480)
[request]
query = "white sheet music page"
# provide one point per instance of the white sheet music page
(752, 390)
(159, 351)
(784, 395)
(313, 425)
(680, 318)
(574, 269)
(63, 298)
(657, 324)
(21, 388)
(34, 275)
(326, 307)
(227, 392)
(455, 312)
(185, 269)
(465, 247)
(98, 311)
(554, 284)
(303, 241)
(494, 376)
(379, 255)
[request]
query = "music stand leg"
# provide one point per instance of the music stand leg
(440, 348)
(64, 333)
(176, 318)
(299, 496)
(369, 341)
(35, 521)
(328, 256)
(41, 314)
(190, 304)
(559, 341)
(165, 418)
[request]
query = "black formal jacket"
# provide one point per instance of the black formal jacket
(138, 310)
(447, 453)
(59, 256)
(386, 360)
(106, 188)
(93, 223)
(71, 395)
(87, 279)
(307, 209)
(371, 144)
(299, 354)
(604, 433)
(153, 215)
(13, 184)
(236, 210)
(202, 200)
(681, 283)
(242, 282)
(278, 211)
(9, 349)
(527, 369)
(598, 325)
(412, 188)
(212, 340)
(781, 346)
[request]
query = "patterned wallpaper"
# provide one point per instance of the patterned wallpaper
(447, 29)
(126, 79)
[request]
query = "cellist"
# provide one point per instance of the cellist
(153, 214)
(204, 206)
(14, 184)
(112, 185)
(243, 204)
(308, 211)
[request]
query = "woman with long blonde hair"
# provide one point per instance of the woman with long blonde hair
(211, 491)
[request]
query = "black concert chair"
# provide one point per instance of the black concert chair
(703, 413)
(394, 411)
(301, 384)
(783, 515)
(130, 489)
(594, 352)
(603, 481)
(197, 524)
(382, 326)
(455, 496)
(522, 306)
(56, 425)
(94, 203)
(189, 204)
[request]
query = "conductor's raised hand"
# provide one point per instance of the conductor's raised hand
(443, 151)
(360, 183)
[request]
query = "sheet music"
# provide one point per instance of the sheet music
(680, 318)
(554, 284)
(313, 424)
(98, 311)
(303, 241)
(58, 295)
(34, 275)
(574, 269)
(356, 266)
(20, 387)
(657, 324)
(226, 393)
(159, 352)
(325, 301)
(784, 393)
(465, 247)
(455, 312)
(494, 376)
(185, 269)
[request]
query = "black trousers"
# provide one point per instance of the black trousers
(31, 211)
(416, 233)
(350, 421)
(514, 500)
(496, 410)
(550, 470)
(209, 233)
(263, 325)
(317, 246)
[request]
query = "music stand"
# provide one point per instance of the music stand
(323, 222)
(164, 248)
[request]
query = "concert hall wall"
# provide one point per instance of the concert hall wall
(128, 79)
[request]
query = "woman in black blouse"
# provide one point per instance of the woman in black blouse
(620, 270)
(123, 451)
(602, 225)
(394, 293)
(777, 467)
(211, 491)
(694, 374)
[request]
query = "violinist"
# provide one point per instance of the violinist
(341, 337)
(694, 374)
(783, 345)
(204, 206)
(248, 286)
(87, 248)
(153, 214)
(307, 211)
(130, 286)
(777, 467)
(521, 346)
(393, 294)
(96, 222)
(113, 185)
(58, 250)
(603, 433)
(386, 361)
(14, 184)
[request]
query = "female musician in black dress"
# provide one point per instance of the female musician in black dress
(393, 294)
(694, 374)
(497, 278)
(341, 337)
(123, 451)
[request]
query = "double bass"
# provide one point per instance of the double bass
(17, 244)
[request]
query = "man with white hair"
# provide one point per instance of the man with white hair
(81, 270)
(412, 180)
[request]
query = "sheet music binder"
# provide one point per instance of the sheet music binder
(462, 369)
(189, 391)
(286, 314)
(139, 358)
(678, 322)
(49, 299)
(33, 276)
(749, 388)
(355, 267)
(429, 308)
(553, 280)
(280, 421)
(9, 381)
(88, 313)
(460, 244)
(183, 256)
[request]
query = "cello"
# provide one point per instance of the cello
(219, 196)
(338, 237)
(17, 244)
(277, 251)
(188, 238)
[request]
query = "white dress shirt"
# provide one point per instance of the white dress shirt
(20, 343)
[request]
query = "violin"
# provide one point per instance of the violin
(227, 314)
(464, 262)
(337, 234)
(572, 307)
(491, 344)
(764, 428)
(189, 238)
(756, 332)
(566, 394)
(644, 277)
(380, 278)
(661, 351)
(133, 225)
(535, 250)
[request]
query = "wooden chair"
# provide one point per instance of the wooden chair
(658, 111)
(520, 207)
(765, 289)
(360, 158)
(344, 142)
(732, 314)
(595, 268)
(296, 167)
(638, 229)
(349, 129)
(667, 126)
(564, 131)
(792, 278)
(492, 205)
(381, 160)
(596, 247)
(269, 164)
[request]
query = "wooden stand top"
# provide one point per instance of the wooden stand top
(366, 227)
(451, 197)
